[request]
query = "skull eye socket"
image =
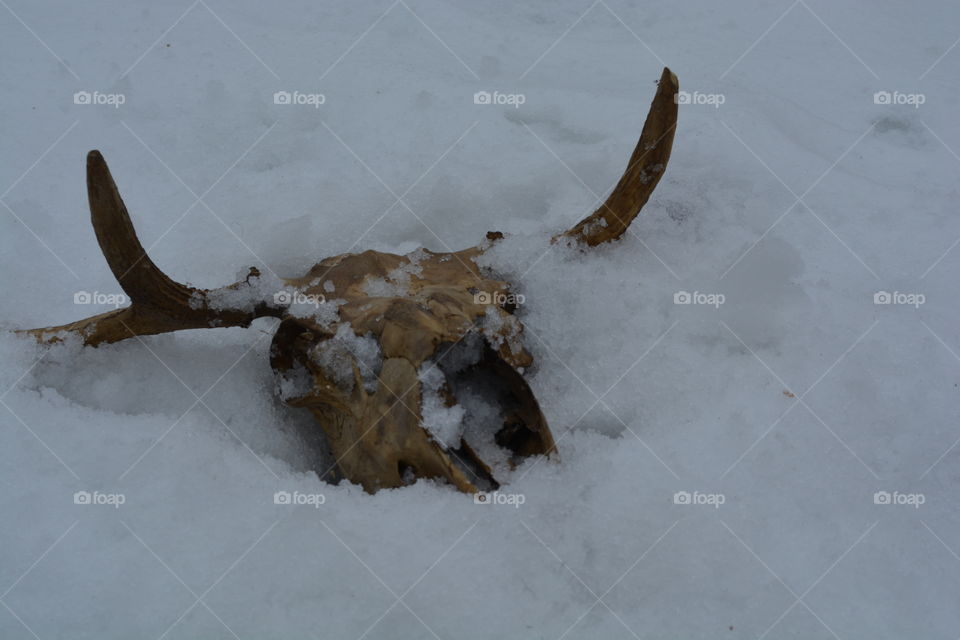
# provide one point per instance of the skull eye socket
(502, 422)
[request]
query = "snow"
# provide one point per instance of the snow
(445, 424)
(818, 181)
(338, 355)
(397, 281)
(254, 289)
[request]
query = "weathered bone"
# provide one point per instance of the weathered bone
(414, 309)
(159, 304)
(377, 435)
(646, 166)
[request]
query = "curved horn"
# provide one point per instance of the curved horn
(643, 172)
(139, 277)
(158, 304)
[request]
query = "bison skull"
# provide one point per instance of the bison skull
(381, 360)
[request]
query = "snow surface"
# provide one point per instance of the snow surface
(780, 412)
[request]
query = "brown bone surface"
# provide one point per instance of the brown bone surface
(367, 360)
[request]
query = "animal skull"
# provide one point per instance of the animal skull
(372, 364)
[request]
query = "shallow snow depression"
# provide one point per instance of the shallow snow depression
(778, 464)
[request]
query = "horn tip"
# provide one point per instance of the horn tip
(669, 77)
